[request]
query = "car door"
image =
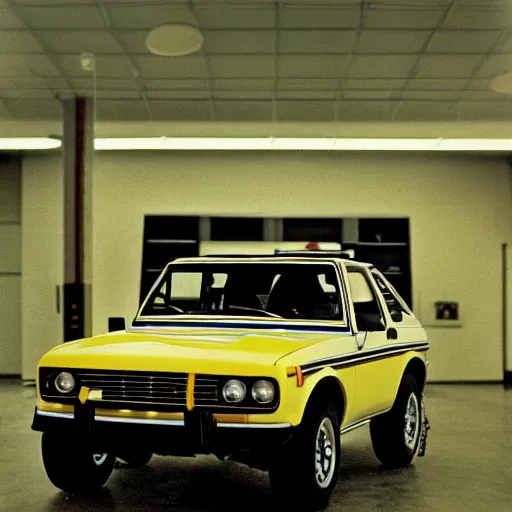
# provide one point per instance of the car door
(375, 371)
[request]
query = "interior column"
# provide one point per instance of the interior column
(78, 147)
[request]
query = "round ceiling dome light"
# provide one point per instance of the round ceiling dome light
(174, 40)
(502, 83)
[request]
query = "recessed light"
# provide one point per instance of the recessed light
(174, 40)
(502, 83)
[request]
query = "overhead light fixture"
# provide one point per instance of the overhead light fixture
(300, 144)
(29, 143)
(174, 40)
(265, 144)
(502, 83)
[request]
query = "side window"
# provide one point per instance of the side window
(392, 303)
(366, 307)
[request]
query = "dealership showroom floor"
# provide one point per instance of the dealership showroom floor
(466, 467)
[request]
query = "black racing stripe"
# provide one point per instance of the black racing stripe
(362, 357)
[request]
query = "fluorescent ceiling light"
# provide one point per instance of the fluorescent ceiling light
(301, 144)
(28, 143)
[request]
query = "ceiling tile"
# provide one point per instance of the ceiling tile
(319, 17)
(496, 65)
(463, 41)
(105, 84)
(241, 84)
(66, 42)
(392, 41)
(134, 41)
(45, 94)
(235, 16)
(243, 111)
(27, 65)
(18, 41)
(78, 17)
(192, 66)
(149, 15)
(306, 95)
(431, 95)
(173, 94)
(180, 84)
(118, 110)
(107, 66)
(447, 66)
(478, 17)
(305, 110)
(246, 66)
(438, 83)
(373, 83)
(309, 83)
(255, 95)
(367, 66)
(485, 110)
(370, 95)
(105, 94)
(5, 113)
(8, 20)
(505, 46)
(424, 111)
(418, 18)
(316, 41)
(480, 83)
(471, 94)
(365, 110)
(307, 66)
(181, 110)
(33, 109)
(239, 41)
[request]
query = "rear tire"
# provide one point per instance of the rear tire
(72, 465)
(305, 471)
(396, 434)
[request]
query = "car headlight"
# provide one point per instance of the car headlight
(65, 382)
(234, 391)
(263, 391)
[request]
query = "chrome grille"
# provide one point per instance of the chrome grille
(206, 390)
(135, 387)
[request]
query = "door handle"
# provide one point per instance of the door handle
(392, 334)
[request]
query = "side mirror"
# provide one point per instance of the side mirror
(116, 323)
(397, 316)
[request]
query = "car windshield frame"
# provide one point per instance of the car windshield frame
(143, 319)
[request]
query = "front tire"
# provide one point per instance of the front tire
(396, 434)
(134, 459)
(305, 471)
(73, 466)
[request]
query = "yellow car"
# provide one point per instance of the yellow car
(263, 360)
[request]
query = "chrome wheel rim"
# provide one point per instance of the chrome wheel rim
(325, 454)
(99, 458)
(412, 422)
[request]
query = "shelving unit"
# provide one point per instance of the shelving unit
(384, 242)
(165, 239)
(381, 241)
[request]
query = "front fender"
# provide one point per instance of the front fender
(295, 399)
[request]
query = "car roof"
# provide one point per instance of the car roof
(249, 258)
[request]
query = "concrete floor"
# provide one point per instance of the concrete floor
(468, 466)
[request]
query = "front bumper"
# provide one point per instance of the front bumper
(196, 433)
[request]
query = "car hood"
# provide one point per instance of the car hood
(201, 351)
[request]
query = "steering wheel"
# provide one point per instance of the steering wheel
(178, 310)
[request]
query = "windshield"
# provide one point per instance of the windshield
(308, 291)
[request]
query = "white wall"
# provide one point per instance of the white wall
(460, 210)
(10, 265)
(42, 258)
